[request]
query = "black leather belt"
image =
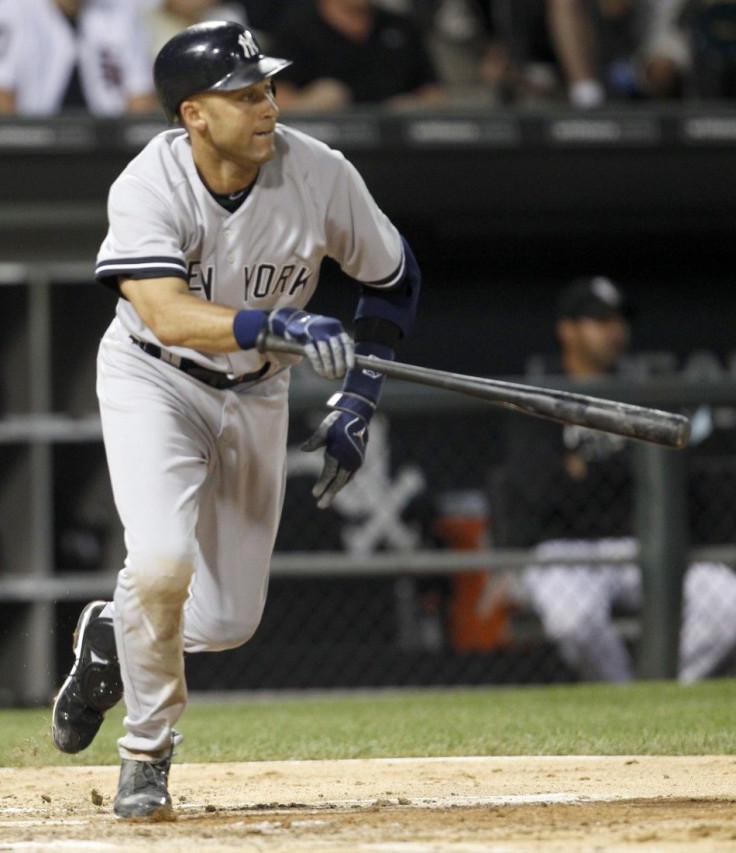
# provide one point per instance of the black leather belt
(213, 378)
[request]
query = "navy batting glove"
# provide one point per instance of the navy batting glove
(344, 432)
(344, 435)
(328, 346)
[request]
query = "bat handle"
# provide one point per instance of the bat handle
(268, 342)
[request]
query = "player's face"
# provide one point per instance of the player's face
(595, 346)
(239, 126)
(603, 341)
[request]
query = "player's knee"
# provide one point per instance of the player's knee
(218, 633)
(161, 585)
(230, 637)
(235, 632)
(172, 569)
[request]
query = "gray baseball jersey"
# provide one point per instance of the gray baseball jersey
(198, 474)
(308, 202)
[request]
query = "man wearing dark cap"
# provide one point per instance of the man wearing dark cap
(592, 327)
(567, 492)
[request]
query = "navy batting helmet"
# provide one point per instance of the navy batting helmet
(215, 56)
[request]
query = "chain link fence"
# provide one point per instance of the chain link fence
(351, 606)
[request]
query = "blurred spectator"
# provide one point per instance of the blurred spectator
(567, 491)
(541, 50)
(264, 15)
(349, 52)
(521, 64)
(458, 34)
(73, 54)
(711, 28)
(167, 17)
(642, 50)
(590, 51)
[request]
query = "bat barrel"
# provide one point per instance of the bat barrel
(630, 421)
(636, 422)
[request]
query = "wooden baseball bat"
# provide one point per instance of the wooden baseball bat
(635, 422)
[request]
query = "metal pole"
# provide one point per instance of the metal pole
(661, 514)
(36, 671)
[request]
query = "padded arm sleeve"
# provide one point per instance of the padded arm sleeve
(397, 305)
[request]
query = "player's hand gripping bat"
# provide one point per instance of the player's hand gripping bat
(636, 422)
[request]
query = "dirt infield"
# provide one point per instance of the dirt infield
(451, 805)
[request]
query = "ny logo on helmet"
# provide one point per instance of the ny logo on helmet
(247, 42)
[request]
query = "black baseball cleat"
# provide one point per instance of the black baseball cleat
(143, 788)
(92, 687)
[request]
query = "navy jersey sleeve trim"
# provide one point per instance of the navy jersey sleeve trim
(108, 272)
(142, 267)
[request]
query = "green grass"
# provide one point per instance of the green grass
(660, 718)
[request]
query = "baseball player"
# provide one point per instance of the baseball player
(216, 233)
(86, 54)
(569, 494)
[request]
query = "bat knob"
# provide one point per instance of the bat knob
(682, 435)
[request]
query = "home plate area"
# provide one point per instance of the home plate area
(406, 805)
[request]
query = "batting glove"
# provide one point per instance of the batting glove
(327, 345)
(344, 435)
(344, 432)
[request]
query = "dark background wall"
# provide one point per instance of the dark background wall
(487, 305)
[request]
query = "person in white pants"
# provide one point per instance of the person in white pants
(569, 495)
